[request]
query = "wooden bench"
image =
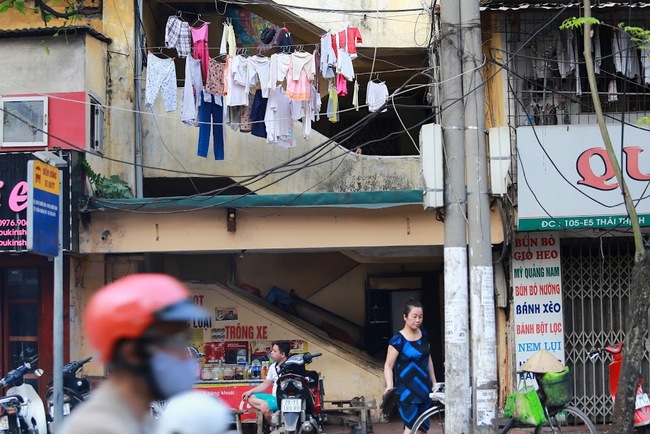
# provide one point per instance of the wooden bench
(354, 412)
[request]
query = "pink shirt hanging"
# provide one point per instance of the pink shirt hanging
(200, 44)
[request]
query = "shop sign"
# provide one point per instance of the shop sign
(566, 179)
(537, 290)
(13, 202)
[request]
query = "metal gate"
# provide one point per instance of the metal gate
(596, 275)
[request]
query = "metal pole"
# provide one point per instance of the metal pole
(57, 323)
(137, 117)
(457, 384)
(482, 318)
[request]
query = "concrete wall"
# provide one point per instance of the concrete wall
(265, 229)
(344, 368)
(381, 29)
(168, 144)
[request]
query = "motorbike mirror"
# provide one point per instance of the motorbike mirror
(38, 372)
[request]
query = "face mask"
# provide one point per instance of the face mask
(171, 374)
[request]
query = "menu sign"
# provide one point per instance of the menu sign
(537, 284)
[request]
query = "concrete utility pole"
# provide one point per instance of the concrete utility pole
(483, 327)
(457, 385)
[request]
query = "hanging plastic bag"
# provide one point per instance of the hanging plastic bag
(525, 407)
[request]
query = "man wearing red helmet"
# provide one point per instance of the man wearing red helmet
(139, 327)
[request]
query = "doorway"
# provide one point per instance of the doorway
(26, 315)
(386, 296)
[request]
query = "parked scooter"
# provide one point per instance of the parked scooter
(642, 407)
(22, 409)
(299, 395)
(75, 389)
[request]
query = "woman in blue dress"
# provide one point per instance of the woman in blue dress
(409, 367)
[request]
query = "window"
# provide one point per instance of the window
(97, 113)
(24, 121)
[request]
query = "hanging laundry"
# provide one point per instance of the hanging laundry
(625, 54)
(333, 104)
(211, 115)
(228, 41)
(258, 111)
(246, 125)
(348, 39)
(279, 66)
(311, 109)
(177, 35)
(328, 56)
(161, 77)
(355, 96)
(192, 91)
(302, 69)
(259, 68)
(344, 68)
(284, 41)
(201, 51)
(277, 119)
(238, 82)
(376, 96)
(215, 81)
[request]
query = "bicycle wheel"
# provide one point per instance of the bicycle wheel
(567, 420)
(436, 418)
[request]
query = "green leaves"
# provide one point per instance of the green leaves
(5, 5)
(575, 22)
(109, 188)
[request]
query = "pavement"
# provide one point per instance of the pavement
(396, 427)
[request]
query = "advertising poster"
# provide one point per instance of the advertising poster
(226, 313)
(537, 295)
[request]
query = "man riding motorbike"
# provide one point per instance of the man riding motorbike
(139, 327)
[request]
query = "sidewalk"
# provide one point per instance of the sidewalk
(396, 427)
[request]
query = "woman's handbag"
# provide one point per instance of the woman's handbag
(389, 401)
(525, 407)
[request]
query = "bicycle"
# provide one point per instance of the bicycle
(566, 418)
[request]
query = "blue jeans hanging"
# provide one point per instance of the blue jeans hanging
(210, 114)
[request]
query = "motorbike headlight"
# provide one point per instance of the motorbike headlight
(291, 383)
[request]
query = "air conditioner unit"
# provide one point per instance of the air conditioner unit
(500, 156)
(431, 158)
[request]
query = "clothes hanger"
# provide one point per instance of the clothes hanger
(199, 20)
(159, 52)
(376, 79)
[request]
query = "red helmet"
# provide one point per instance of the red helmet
(127, 307)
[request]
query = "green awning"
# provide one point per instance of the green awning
(357, 199)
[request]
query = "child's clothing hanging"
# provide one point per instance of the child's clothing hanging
(284, 41)
(348, 39)
(201, 52)
(192, 91)
(210, 115)
(228, 41)
(376, 96)
(161, 77)
(258, 110)
(259, 67)
(215, 81)
(177, 34)
(327, 56)
(302, 69)
(279, 125)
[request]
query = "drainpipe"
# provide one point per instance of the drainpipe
(137, 81)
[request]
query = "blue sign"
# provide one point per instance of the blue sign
(43, 208)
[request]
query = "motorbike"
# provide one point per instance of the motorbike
(642, 406)
(75, 389)
(22, 409)
(299, 395)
